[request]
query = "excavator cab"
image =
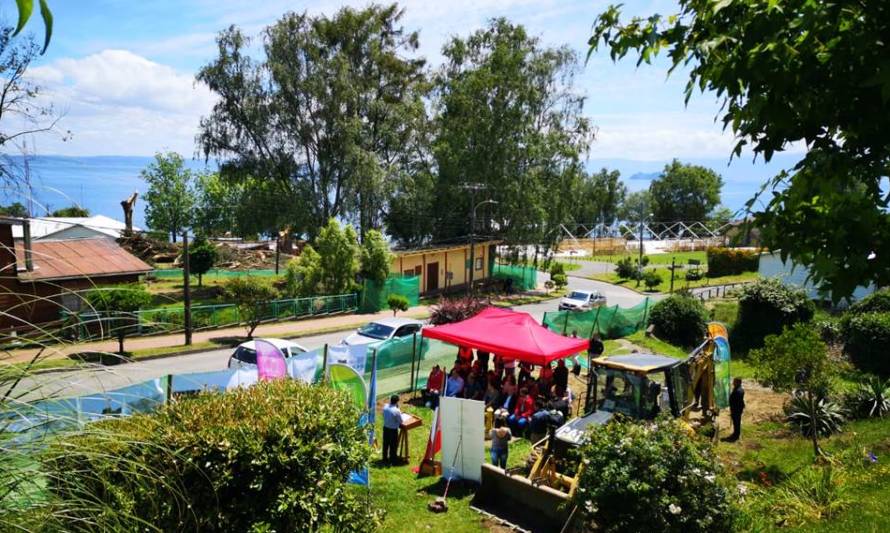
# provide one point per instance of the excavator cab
(636, 386)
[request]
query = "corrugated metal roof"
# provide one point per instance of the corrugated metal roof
(77, 258)
(434, 249)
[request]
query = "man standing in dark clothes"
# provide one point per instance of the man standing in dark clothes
(561, 375)
(736, 406)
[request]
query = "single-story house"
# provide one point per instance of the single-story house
(772, 266)
(58, 228)
(39, 279)
(446, 267)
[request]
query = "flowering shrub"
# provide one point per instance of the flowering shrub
(448, 311)
(651, 477)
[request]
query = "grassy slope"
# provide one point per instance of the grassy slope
(771, 448)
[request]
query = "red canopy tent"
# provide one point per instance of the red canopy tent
(509, 334)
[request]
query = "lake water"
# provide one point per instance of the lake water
(100, 183)
(97, 183)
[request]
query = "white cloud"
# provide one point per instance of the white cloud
(117, 102)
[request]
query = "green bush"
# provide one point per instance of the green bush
(679, 319)
(275, 456)
(731, 261)
(877, 302)
(652, 279)
(766, 306)
(397, 303)
(866, 338)
(650, 477)
(626, 268)
(557, 268)
(560, 280)
(870, 399)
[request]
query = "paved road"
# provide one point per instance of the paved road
(79, 382)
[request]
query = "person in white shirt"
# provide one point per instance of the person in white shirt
(392, 419)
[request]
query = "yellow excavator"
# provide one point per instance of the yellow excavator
(636, 386)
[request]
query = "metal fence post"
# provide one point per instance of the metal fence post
(169, 394)
(413, 357)
(324, 364)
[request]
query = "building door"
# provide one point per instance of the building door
(432, 276)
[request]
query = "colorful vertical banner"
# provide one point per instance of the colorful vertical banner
(722, 356)
(269, 361)
(367, 420)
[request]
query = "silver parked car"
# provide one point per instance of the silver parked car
(582, 301)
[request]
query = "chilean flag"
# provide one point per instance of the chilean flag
(434, 444)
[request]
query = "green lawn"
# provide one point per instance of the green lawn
(679, 280)
(682, 258)
(405, 496)
(568, 266)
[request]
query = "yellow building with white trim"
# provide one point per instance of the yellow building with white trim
(445, 268)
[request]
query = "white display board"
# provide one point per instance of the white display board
(463, 438)
(354, 356)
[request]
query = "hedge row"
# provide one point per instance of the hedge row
(731, 261)
(272, 457)
(866, 341)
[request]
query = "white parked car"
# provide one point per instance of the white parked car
(383, 330)
(244, 355)
(582, 301)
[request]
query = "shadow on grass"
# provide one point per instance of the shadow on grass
(230, 341)
(765, 475)
(458, 490)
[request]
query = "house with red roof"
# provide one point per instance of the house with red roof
(41, 278)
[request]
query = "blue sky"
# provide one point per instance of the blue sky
(123, 74)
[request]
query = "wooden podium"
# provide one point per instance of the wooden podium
(408, 422)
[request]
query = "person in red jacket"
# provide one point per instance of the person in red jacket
(525, 408)
(433, 389)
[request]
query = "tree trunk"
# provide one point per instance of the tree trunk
(173, 236)
(199, 279)
(120, 343)
(250, 329)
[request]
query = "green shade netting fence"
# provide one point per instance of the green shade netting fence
(91, 325)
(176, 273)
(375, 294)
(610, 322)
(524, 278)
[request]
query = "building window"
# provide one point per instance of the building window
(478, 263)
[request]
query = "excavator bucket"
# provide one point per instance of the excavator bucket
(516, 500)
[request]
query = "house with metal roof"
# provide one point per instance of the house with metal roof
(40, 278)
(59, 228)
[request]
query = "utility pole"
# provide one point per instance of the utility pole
(186, 289)
(277, 250)
(472, 187)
